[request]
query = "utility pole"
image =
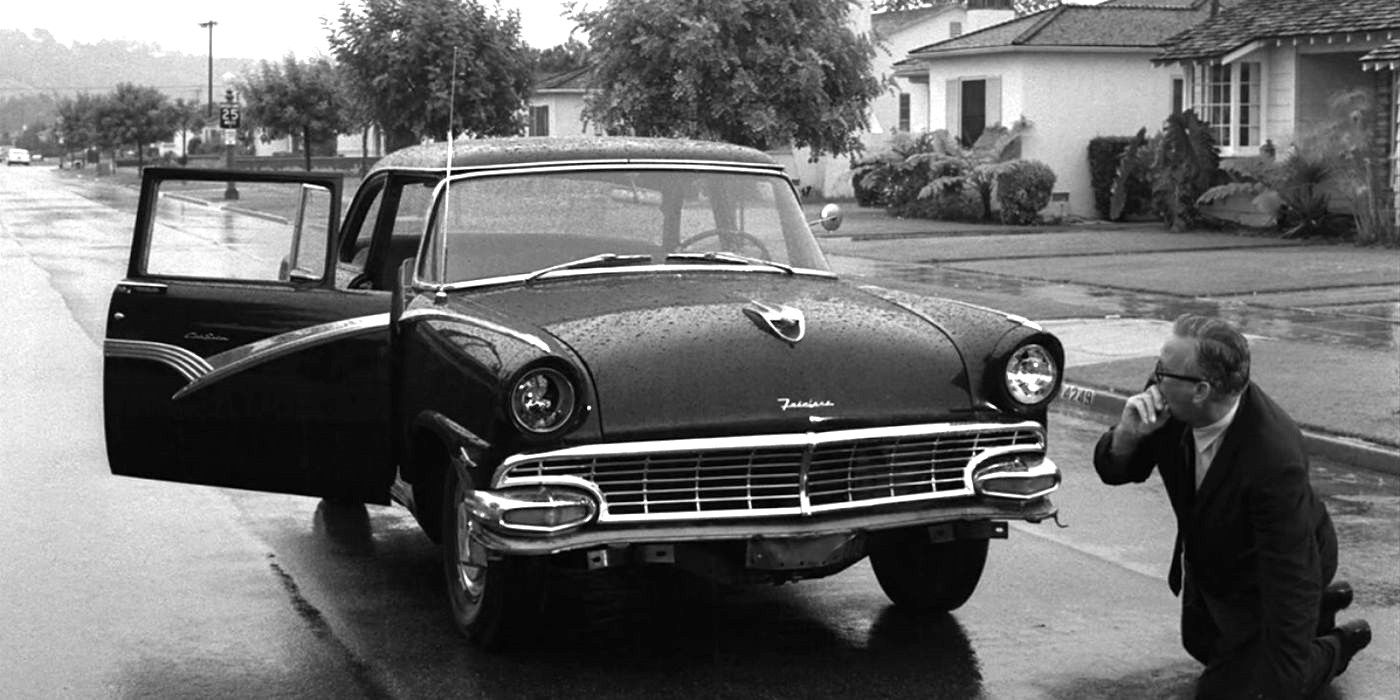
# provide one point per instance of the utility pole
(209, 108)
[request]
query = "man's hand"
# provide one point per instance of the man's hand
(1143, 414)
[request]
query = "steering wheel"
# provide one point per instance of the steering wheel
(728, 238)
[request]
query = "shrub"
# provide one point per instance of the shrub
(933, 165)
(1105, 154)
(951, 205)
(888, 178)
(1023, 188)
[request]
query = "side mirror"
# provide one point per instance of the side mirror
(830, 217)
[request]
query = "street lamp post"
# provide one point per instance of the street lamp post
(209, 109)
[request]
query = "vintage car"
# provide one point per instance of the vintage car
(16, 156)
(592, 353)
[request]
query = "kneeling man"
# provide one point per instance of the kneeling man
(1255, 549)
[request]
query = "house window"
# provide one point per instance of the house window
(954, 29)
(904, 111)
(1229, 99)
(539, 121)
(1178, 95)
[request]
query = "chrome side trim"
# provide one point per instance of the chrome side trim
(887, 294)
(440, 315)
(245, 357)
(189, 365)
(600, 164)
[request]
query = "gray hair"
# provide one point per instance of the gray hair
(1222, 352)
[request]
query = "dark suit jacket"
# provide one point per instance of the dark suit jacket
(1255, 535)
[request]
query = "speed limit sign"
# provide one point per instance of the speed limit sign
(229, 116)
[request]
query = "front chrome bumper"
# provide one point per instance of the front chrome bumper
(596, 534)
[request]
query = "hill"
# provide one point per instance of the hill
(37, 69)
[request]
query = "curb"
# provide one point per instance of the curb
(1378, 458)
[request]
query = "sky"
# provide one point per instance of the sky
(258, 29)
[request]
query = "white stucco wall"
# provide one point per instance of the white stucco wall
(565, 112)
(894, 48)
(1069, 98)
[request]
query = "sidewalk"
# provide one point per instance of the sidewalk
(1323, 319)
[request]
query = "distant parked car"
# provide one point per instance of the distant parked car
(16, 156)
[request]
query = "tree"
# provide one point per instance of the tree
(570, 55)
(761, 73)
(133, 115)
(1022, 7)
(400, 58)
(298, 99)
(77, 122)
(186, 116)
(358, 114)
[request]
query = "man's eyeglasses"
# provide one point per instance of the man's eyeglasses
(1158, 373)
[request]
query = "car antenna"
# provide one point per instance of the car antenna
(441, 272)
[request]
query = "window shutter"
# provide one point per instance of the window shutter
(994, 101)
(953, 117)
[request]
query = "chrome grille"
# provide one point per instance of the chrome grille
(770, 474)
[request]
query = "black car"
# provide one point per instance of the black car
(588, 353)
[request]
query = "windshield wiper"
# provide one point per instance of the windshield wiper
(601, 260)
(720, 256)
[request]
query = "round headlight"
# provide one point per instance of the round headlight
(1031, 374)
(543, 400)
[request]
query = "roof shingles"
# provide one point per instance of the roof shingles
(1253, 20)
(1077, 26)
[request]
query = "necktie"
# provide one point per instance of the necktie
(1187, 454)
(1188, 457)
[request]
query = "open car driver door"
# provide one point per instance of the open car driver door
(231, 359)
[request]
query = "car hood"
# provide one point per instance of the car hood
(690, 354)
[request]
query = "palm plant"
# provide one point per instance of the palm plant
(958, 167)
(1290, 189)
(923, 168)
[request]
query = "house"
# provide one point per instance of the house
(899, 32)
(1072, 72)
(556, 105)
(895, 33)
(1265, 70)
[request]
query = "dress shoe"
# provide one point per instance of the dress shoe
(1336, 596)
(1353, 637)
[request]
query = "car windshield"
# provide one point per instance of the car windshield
(520, 225)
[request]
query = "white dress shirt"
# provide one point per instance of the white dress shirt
(1208, 441)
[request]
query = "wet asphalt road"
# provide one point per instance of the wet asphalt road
(121, 588)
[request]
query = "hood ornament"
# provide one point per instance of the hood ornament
(783, 321)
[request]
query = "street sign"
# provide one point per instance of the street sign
(229, 116)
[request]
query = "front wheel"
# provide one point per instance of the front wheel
(494, 601)
(923, 575)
